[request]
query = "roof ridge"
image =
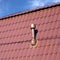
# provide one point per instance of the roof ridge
(29, 11)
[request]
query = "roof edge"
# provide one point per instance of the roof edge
(33, 10)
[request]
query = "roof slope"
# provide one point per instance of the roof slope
(15, 35)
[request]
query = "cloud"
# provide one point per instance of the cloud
(36, 3)
(39, 3)
(56, 1)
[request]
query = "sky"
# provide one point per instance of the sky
(8, 7)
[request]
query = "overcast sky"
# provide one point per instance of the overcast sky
(12, 6)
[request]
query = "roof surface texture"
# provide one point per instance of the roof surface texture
(15, 35)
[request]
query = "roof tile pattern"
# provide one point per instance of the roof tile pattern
(15, 36)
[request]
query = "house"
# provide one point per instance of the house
(16, 34)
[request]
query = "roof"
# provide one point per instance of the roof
(16, 35)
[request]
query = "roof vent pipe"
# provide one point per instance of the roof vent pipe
(33, 41)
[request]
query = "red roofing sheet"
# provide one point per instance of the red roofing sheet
(15, 36)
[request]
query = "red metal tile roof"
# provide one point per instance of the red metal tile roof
(15, 35)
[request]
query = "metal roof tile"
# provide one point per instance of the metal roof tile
(15, 35)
